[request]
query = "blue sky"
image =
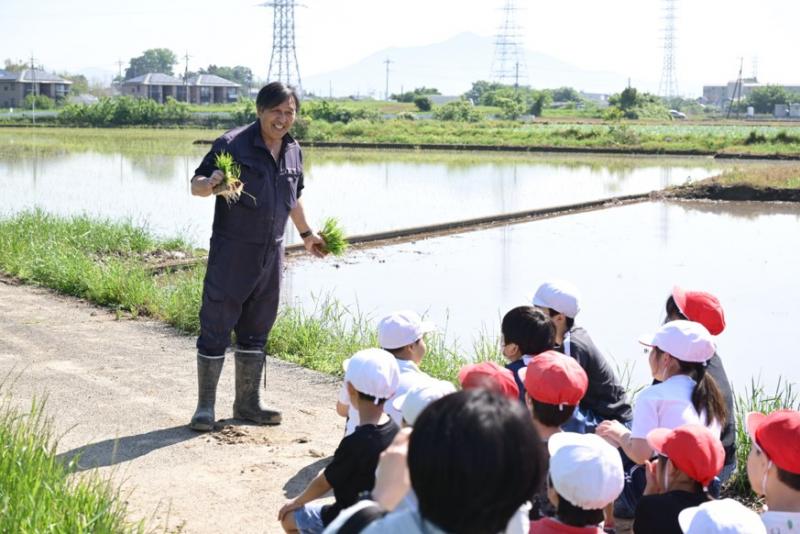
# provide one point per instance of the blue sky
(622, 36)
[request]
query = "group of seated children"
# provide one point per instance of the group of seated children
(549, 442)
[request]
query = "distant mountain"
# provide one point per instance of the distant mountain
(451, 66)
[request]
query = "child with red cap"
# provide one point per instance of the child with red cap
(491, 376)
(773, 467)
(705, 308)
(554, 386)
(689, 457)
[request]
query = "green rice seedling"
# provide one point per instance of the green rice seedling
(231, 187)
(333, 235)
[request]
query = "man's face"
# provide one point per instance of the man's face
(276, 121)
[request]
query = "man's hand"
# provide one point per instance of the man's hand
(287, 508)
(203, 186)
(315, 246)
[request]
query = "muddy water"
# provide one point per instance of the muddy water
(369, 191)
(625, 261)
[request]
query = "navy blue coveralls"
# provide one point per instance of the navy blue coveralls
(245, 258)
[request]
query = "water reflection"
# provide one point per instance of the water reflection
(619, 260)
(369, 191)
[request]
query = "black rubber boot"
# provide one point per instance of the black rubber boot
(249, 368)
(208, 371)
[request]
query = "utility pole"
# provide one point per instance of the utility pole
(330, 89)
(119, 69)
(186, 57)
(516, 76)
(388, 62)
(737, 92)
(33, 100)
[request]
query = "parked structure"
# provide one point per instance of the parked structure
(15, 86)
(721, 95)
(200, 89)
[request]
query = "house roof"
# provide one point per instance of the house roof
(31, 75)
(154, 78)
(210, 80)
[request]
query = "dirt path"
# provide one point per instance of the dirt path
(121, 392)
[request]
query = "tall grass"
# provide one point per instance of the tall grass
(756, 398)
(107, 263)
(37, 493)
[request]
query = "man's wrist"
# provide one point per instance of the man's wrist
(307, 233)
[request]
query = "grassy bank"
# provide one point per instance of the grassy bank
(38, 493)
(776, 182)
(736, 138)
(108, 263)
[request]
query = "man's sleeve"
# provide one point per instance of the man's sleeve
(208, 165)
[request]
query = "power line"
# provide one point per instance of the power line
(283, 65)
(508, 64)
(668, 87)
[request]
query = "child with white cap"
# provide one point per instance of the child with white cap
(685, 395)
(773, 467)
(689, 457)
(585, 476)
(371, 377)
(401, 333)
(605, 398)
(725, 516)
(704, 308)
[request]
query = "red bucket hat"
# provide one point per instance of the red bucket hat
(553, 378)
(700, 307)
(489, 375)
(778, 435)
(693, 449)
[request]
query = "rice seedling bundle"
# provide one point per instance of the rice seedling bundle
(333, 235)
(231, 186)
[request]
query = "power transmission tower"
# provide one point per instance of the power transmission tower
(668, 87)
(283, 65)
(508, 65)
(388, 62)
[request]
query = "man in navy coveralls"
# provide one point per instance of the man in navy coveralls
(245, 258)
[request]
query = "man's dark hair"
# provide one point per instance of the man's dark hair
(274, 94)
(572, 515)
(569, 321)
(551, 415)
(474, 459)
(529, 328)
(790, 479)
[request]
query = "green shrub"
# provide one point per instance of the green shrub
(41, 101)
(423, 103)
(460, 110)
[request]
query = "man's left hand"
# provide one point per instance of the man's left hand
(315, 246)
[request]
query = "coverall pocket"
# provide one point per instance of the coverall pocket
(291, 180)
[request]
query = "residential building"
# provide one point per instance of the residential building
(15, 86)
(200, 89)
(721, 95)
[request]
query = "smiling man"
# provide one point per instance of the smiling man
(245, 258)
